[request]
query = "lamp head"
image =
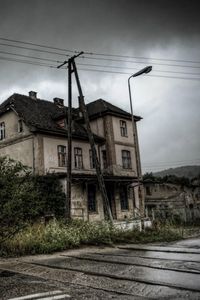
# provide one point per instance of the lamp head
(143, 71)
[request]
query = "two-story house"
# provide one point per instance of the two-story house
(34, 131)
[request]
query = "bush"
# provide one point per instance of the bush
(24, 198)
(17, 195)
(58, 235)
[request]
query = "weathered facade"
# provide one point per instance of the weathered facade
(34, 131)
(173, 202)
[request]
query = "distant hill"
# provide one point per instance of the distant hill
(185, 171)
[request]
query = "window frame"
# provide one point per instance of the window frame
(92, 164)
(78, 158)
(20, 126)
(2, 131)
(126, 159)
(62, 156)
(92, 198)
(123, 128)
(124, 203)
(104, 159)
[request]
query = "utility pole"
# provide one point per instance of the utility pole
(72, 68)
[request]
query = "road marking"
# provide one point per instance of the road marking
(53, 295)
(64, 296)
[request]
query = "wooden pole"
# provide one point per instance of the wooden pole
(69, 143)
(93, 148)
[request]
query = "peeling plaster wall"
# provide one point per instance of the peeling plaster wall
(117, 132)
(11, 126)
(119, 170)
(97, 127)
(20, 150)
(51, 155)
(124, 214)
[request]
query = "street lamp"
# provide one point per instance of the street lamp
(142, 71)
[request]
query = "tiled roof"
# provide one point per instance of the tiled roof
(101, 107)
(40, 115)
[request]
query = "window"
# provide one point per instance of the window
(2, 131)
(91, 198)
(148, 190)
(126, 159)
(61, 123)
(124, 198)
(104, 159)
(123, 128)
(78, 158)
(20, 126)
(61, 156)
(92, 165)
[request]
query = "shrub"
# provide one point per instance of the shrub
(24, 198)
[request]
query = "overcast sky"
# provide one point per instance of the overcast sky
(143, 30)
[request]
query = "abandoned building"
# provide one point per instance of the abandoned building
(34, 131)
(172, 201)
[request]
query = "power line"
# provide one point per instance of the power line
(100, 58)
(96, 53)
(34, 57)
(95, 70)
(140, 62)
(169, 165)
(27, 62)
(33, 49)
(95, 65)
(171, 162)
(132, 68)
(125, 73)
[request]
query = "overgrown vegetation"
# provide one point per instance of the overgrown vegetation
(182, 181)
(24, 198)
(57, 236)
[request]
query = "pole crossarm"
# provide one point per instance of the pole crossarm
(70, 59)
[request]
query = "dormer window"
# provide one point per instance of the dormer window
(20, 125)
(2, 131)
(61, 123)
(123, 128)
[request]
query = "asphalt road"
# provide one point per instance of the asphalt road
(170, 271)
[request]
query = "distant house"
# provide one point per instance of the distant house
(34, 131)
(172, 201)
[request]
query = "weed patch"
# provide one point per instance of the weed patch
(57, 236)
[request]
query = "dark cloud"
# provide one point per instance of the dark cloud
(156, 28)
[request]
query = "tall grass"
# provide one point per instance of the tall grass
(57, 236)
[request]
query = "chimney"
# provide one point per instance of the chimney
(33, 95)
(59, 102)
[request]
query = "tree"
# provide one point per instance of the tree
(24, 198)
(16, 197)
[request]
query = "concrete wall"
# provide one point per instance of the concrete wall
(11, 126)
(97, 126)
(119, 169)
(117, 132)
(16, 145)
(51, 155)
(79, 205)
(124, 214)
(170, 201)
(20, 150)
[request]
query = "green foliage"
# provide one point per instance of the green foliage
(58, 235)
(183, 181)
(17, 194)
(51, 197)
(24, 198)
